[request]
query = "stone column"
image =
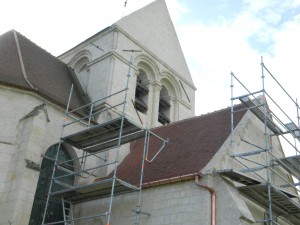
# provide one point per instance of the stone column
(155, 103)
(174, 109)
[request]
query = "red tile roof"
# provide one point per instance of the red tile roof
(192, 144)
(51, 77)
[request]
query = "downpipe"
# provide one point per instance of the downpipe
(213, 199)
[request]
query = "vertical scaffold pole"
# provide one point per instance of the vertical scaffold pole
(298, 120)
(57, 153)
(138, 210)
(267, 147)
(231, 115)
(119, 140)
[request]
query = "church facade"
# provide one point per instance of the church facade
(182, 184)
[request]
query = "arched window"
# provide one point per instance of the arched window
(164, 106)
(55, 211)
(82, 72)
(141, 92)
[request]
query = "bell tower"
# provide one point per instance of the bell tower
(160, 89)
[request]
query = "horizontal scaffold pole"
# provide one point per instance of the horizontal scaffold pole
(249, 153)
(246, 95)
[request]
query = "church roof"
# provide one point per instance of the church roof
(153, 28)
(45, 74)
(192, 144)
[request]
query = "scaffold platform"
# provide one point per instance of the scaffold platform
(256, 109)
(238, 177)
(291, 164)
(96, 190)
(105, 135)
(282, 202)
(269, 182)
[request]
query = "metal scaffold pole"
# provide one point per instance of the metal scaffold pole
(56, 156)
(96, 138)
(138, 210)
(267, 147)
(231, 111)
(298, 123)
(119, 143)
(266, 174)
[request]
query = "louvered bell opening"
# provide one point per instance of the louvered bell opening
(140, 105)
(164, 103)
(163, 119)
(142, 88)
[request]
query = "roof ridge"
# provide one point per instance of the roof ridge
(23, 69)
(41, 67)
(222, 109)
(194, 117)
(41, 48)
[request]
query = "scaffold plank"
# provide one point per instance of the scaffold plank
(291, 164)
(95, 190)
(105, 135)
(238, 177)
(293, 129)
(261, 115)
(282, 202)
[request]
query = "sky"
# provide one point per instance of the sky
(217, 37)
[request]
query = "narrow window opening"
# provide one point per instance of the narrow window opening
(164, 107)
(141, 93)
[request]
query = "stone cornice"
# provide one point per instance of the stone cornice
(109, 54)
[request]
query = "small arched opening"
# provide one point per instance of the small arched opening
(82, 71)
(141, 92)
(164, 106)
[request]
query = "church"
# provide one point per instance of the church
(106, 134)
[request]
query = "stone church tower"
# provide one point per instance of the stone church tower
(161, 89)
(185, 166)
(34, 88)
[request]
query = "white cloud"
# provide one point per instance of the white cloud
(176, 9)
(212, 51)
(256, 5)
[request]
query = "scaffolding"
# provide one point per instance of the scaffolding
(272, 183)
(95, 140)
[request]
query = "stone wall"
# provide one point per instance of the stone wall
(170, 204)
(108, 71)
(29, 128)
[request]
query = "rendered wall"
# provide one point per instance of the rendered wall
(177, 203)
(250, 129)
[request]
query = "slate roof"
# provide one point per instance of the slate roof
(51, 77)
(192, 144)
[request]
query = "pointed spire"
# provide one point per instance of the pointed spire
(152, 27)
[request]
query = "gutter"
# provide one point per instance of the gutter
(213, 199)
(170, 180)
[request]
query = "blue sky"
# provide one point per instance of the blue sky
(232, 35)
(217, 37)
